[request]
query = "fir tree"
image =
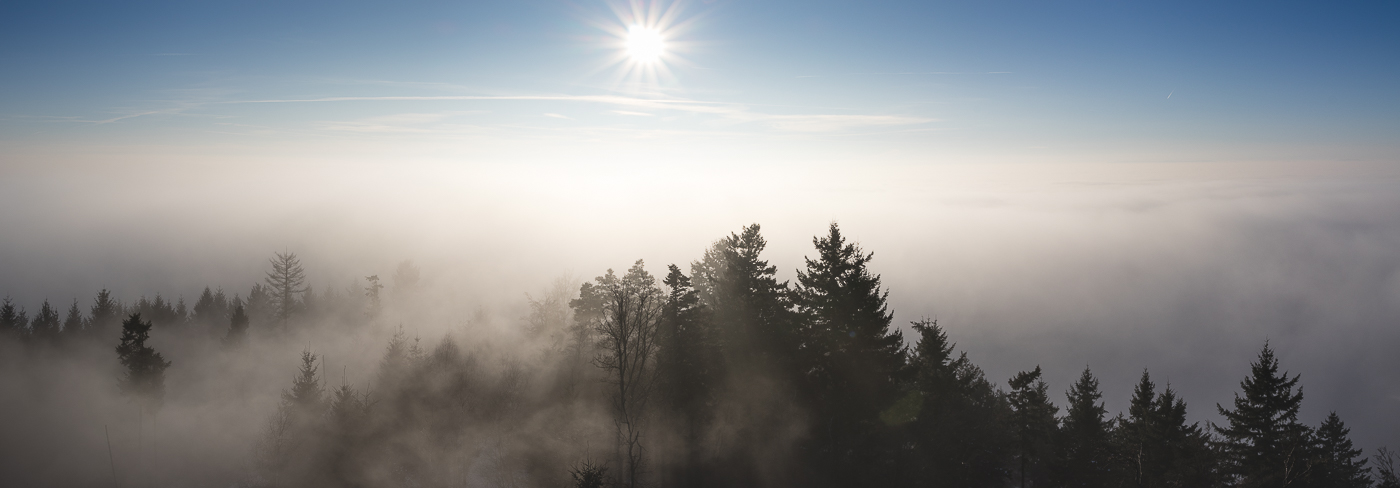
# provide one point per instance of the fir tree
(1034, 422)
(687, 362)
(144, 376)
(212, 308)
(1266, 444)
(13, 321)
(1339, 464)
(286, 283)
(237, 325)
(105, 314)
(959, 430)
(1082, 443)
(850, 351)
(46, 324)
(73, 323)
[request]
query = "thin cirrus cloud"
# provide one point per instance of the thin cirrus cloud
(728, 112)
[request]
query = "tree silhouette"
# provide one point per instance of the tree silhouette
(961, 431)
(237, 325)
(286, 283)
(13, 321)
(73, 323)
(212, 308)
(629, 311)
(46, 324)
(1034, 422)
(144, 376)
(1339, 464)
(1082, 443)
(852, 354)
(105, 313)
(1266, 444)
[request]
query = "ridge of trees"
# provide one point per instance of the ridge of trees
(722, 377)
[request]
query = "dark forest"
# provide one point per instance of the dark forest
(716, 376)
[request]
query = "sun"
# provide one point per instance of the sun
(645, 44)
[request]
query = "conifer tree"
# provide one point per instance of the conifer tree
(286, 283)
(46, 324)
(212, 308)
(687, 362)
(1266, 445)
(1339, 464)
(852, 355)
(960, 432)
(1082, 443)
(1034, 422)
(237, 325)
(752, 309)
(73, 323)
(13, 320)
(105, 314)
(144, 376)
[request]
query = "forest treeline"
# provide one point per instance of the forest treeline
(720, 377)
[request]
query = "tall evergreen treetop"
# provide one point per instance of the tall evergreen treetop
(286, 283)
(13, 320)
(144, 377)
(46, 323)
(848, 320)
(1267, 445)
(1034, 422)
(752, 309)
(105, 313)
(73, 323)
(1340, 464)
(1082, 443)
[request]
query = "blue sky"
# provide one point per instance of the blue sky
(912, 82)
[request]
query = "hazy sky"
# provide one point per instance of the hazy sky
(1120, 184)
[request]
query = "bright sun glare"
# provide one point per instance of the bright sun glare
(644, 44)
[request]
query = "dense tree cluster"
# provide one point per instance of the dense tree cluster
(725, 376)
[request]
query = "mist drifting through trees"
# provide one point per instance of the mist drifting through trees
(713, 373)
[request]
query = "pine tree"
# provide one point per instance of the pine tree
(46, 324)
(1034, 422)
(105, 314)
(1082, 443)
(212, 308)
(753, 310)
(237, 325)
(144, 377)
(13, 321)
(687, 362)
(959, 431)
(852, 354)
(73, 323)
(1266, 444)
(1340, 465)
(286, 283)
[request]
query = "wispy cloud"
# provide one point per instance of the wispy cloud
(731, 112)
(557, 116)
